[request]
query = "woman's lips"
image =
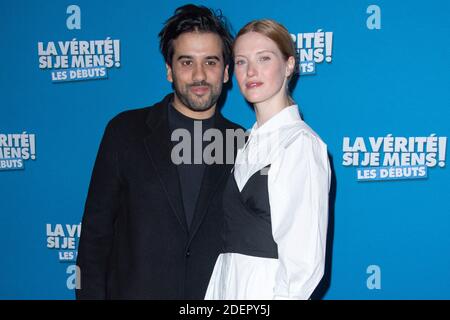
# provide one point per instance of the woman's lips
(253, 84)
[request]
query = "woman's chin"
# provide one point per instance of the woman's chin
(253, 99)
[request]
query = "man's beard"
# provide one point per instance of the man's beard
(194, 102)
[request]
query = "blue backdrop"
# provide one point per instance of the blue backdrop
(374, 86)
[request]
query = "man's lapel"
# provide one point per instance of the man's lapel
(212, 178)
(159, 146)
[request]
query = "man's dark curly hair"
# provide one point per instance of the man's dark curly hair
(190, 18)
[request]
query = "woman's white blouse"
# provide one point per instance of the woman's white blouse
(298, 187)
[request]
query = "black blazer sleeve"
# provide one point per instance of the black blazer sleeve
(97, 229)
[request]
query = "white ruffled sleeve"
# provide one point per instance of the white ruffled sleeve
(298, 193)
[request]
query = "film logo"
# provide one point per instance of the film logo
(77, 60)
(313, 48)
(393, 158)
(15, 149)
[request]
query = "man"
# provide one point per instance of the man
(151, 228)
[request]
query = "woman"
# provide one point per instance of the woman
(276, 200)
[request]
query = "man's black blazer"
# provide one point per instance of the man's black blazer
(135, 243)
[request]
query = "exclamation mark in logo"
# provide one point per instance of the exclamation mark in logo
(32, 146)
(328, 45)
(117, 53)
(442, 149)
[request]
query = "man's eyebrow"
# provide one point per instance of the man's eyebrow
(184, 57)
(191, 57)
(213, 58)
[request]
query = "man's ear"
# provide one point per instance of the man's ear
(226, 76)
(169, 73)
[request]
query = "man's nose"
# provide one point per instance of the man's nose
(199, 73)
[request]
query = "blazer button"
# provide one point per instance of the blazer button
(188, 253)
